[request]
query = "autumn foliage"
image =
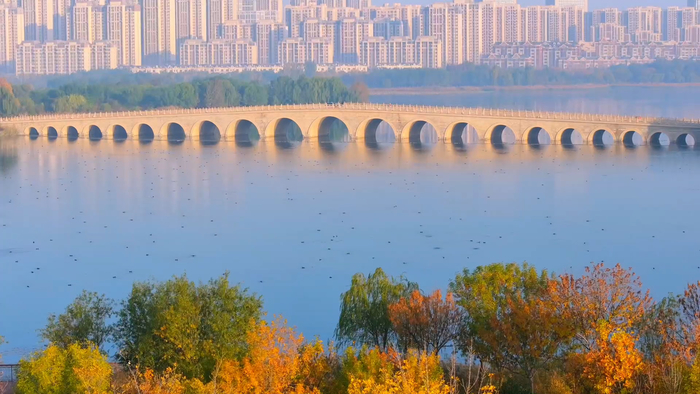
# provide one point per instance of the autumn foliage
(427, 323)
(500, 329)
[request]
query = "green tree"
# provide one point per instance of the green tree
(511, 322)
(254, 94)
(9, 104)
(188, 327)
(83, 322)
(69, 104)
(74, 370)
(364, 309)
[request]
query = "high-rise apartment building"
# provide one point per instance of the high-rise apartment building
(267, 36)
(104, 56)
(350, 33)
(401, 50)
(11, 35)
(535, 23)
(90, 22)
(582, 4)
(61, 19)
(446, 23)
(694, 4)
(644, 24)
(215, 17)
(319, 50)
(237, 30)
(292, 51)
(230, 10)
(373, 52)
(38, 20)
(428, 52)
(261, 10)
(190, 19)
(53, 58)
(124, 31)
(158, 32)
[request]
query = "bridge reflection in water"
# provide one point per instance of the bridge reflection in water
(375, 124)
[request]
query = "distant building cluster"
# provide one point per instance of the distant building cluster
(45, 37)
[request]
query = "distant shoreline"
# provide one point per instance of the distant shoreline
(433, 90)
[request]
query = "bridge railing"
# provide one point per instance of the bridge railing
(470, 111)
(8, 372)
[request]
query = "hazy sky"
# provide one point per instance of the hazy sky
(592, 4)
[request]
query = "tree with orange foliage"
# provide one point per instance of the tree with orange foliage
(6, 85)
(528, 335)
(690, 315)
(427, 323)
(149, 382)
(612, 364)
(612, 295)
(604, 305)
(274, 364)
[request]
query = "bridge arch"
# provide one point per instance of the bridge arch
(685, 140)
(285, 132)
(174, 132)
(536, 136)
(32, 132)
(51, 132)
(118, 132)
(569, 136)
(368, 130)
(243, 131)
(632, 139)
(144, 132)
(207, 131)
(461, 133)
(72, 133)
(601, 137)
(659, 138)
(500, 134)
(329, 129)
(93, 132)
(420, 131)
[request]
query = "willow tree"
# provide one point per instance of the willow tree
(364, 309)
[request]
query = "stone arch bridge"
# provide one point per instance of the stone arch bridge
(361, 120)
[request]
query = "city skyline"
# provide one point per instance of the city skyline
(66, 36)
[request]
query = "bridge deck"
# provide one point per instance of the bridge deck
(359, 118)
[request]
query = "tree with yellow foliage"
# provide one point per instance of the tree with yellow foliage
(3, 384)
(417, 373)
(75, 370)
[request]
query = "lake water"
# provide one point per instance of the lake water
(293, 225)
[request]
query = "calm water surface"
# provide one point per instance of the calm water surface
(294, 224)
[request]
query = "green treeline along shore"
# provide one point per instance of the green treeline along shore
(499, 328)
(470, 75)
(88, 92)
(211, 92)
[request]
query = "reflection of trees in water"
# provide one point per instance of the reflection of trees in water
(8, 154)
